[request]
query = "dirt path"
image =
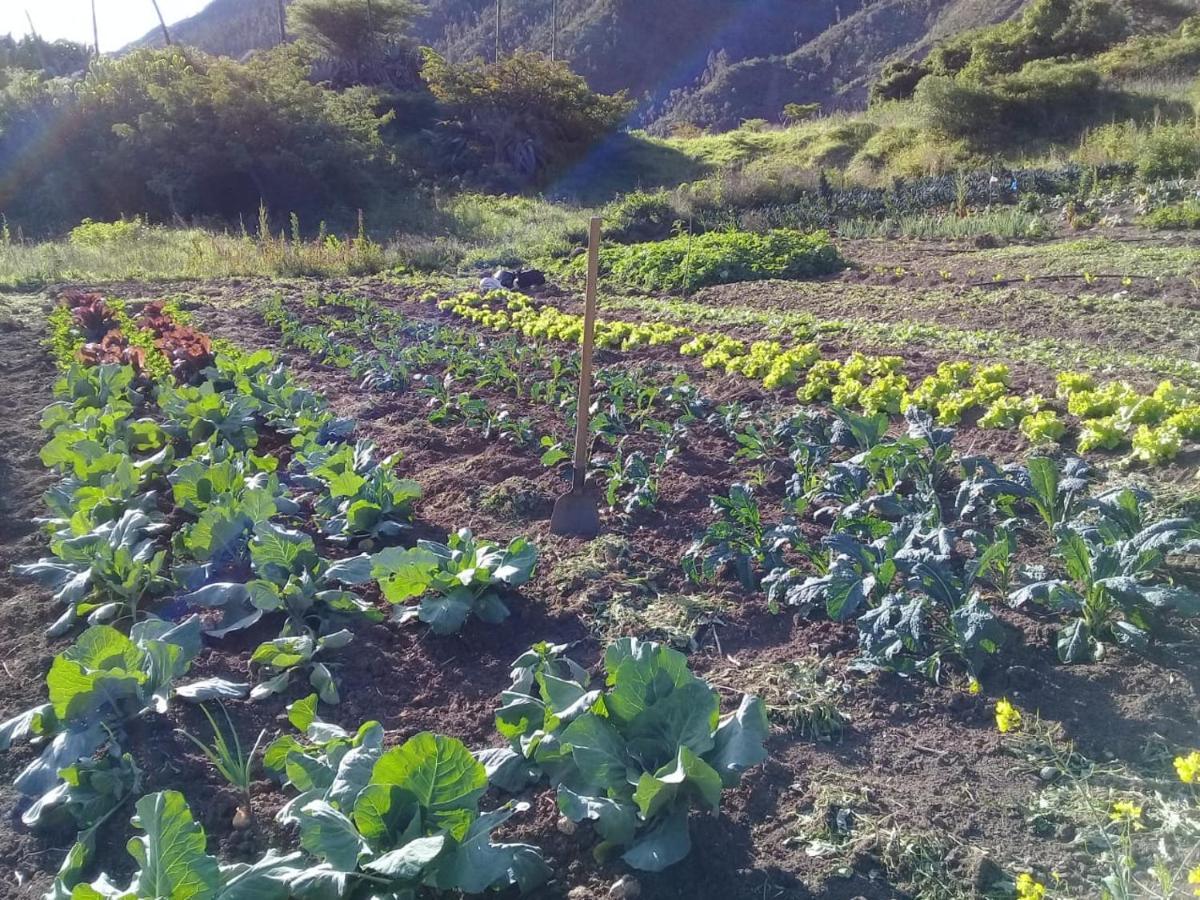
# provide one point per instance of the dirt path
(26, 378)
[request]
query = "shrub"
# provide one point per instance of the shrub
(526, 112)
(1180, 216)
(1170, 151)
(99, 234)
(686, 263)
(640, 217)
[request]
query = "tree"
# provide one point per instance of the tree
(526, 111)
(352, 31)
(795, 113)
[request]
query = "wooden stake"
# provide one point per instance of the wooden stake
(582, 411)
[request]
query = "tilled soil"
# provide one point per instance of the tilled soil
(928, 756)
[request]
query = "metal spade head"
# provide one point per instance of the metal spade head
(577, 513)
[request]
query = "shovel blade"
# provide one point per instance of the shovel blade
(576, 514)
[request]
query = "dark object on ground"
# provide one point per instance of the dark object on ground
(530, 278)
(506, 278)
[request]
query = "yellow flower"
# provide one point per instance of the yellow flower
(1124, 811)
(1194, 878)
(1029, 889)
(1188, 767)
(1008, 717)
(974, 687)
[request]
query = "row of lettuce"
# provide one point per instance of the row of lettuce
(917, 542)
(197, 485)
(1109, 416)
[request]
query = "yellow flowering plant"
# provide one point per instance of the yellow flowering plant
(1008, 717)
(1188, 767)
(1029, 888)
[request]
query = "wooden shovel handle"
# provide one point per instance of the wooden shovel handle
(582, 410)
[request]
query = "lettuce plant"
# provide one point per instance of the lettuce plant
(632, 757)
(455, 580)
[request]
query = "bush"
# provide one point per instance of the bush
(1181, 217)
(640, 217)
(178, 133)
(1170, 151)
(100, 234)
(686, 263)
(526, 113)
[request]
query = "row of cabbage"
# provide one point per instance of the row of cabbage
(197, 484)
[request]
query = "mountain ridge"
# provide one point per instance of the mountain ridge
(711, 63)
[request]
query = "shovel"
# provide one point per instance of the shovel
(577, 512)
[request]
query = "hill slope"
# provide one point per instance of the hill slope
(713, 62)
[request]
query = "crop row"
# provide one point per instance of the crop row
(899, 513)
(211, 489)
(1110, 416)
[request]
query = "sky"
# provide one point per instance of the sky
(121, 21)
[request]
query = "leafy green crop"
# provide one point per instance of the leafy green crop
(359, 496)
(397, 822)
(95, 685)
(739, 541)
(173, 862)
(686, 263)
(1116, 584)
(632, 758)
(104, 574)
(454, 580)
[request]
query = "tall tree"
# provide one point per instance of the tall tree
(351, 31)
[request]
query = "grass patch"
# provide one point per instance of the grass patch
(1095, 256)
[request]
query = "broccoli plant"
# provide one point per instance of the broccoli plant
(173, 861)
(359, 497)
(105, 574)
(739, 541)
(1116, 581)
(634, 757)
(97, 684)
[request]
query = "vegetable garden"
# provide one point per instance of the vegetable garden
(861, 622)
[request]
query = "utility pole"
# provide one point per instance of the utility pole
(36, 39)
(499, 14)
(554, 37)
(95, 29)
(282, 24)
(162, 22)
